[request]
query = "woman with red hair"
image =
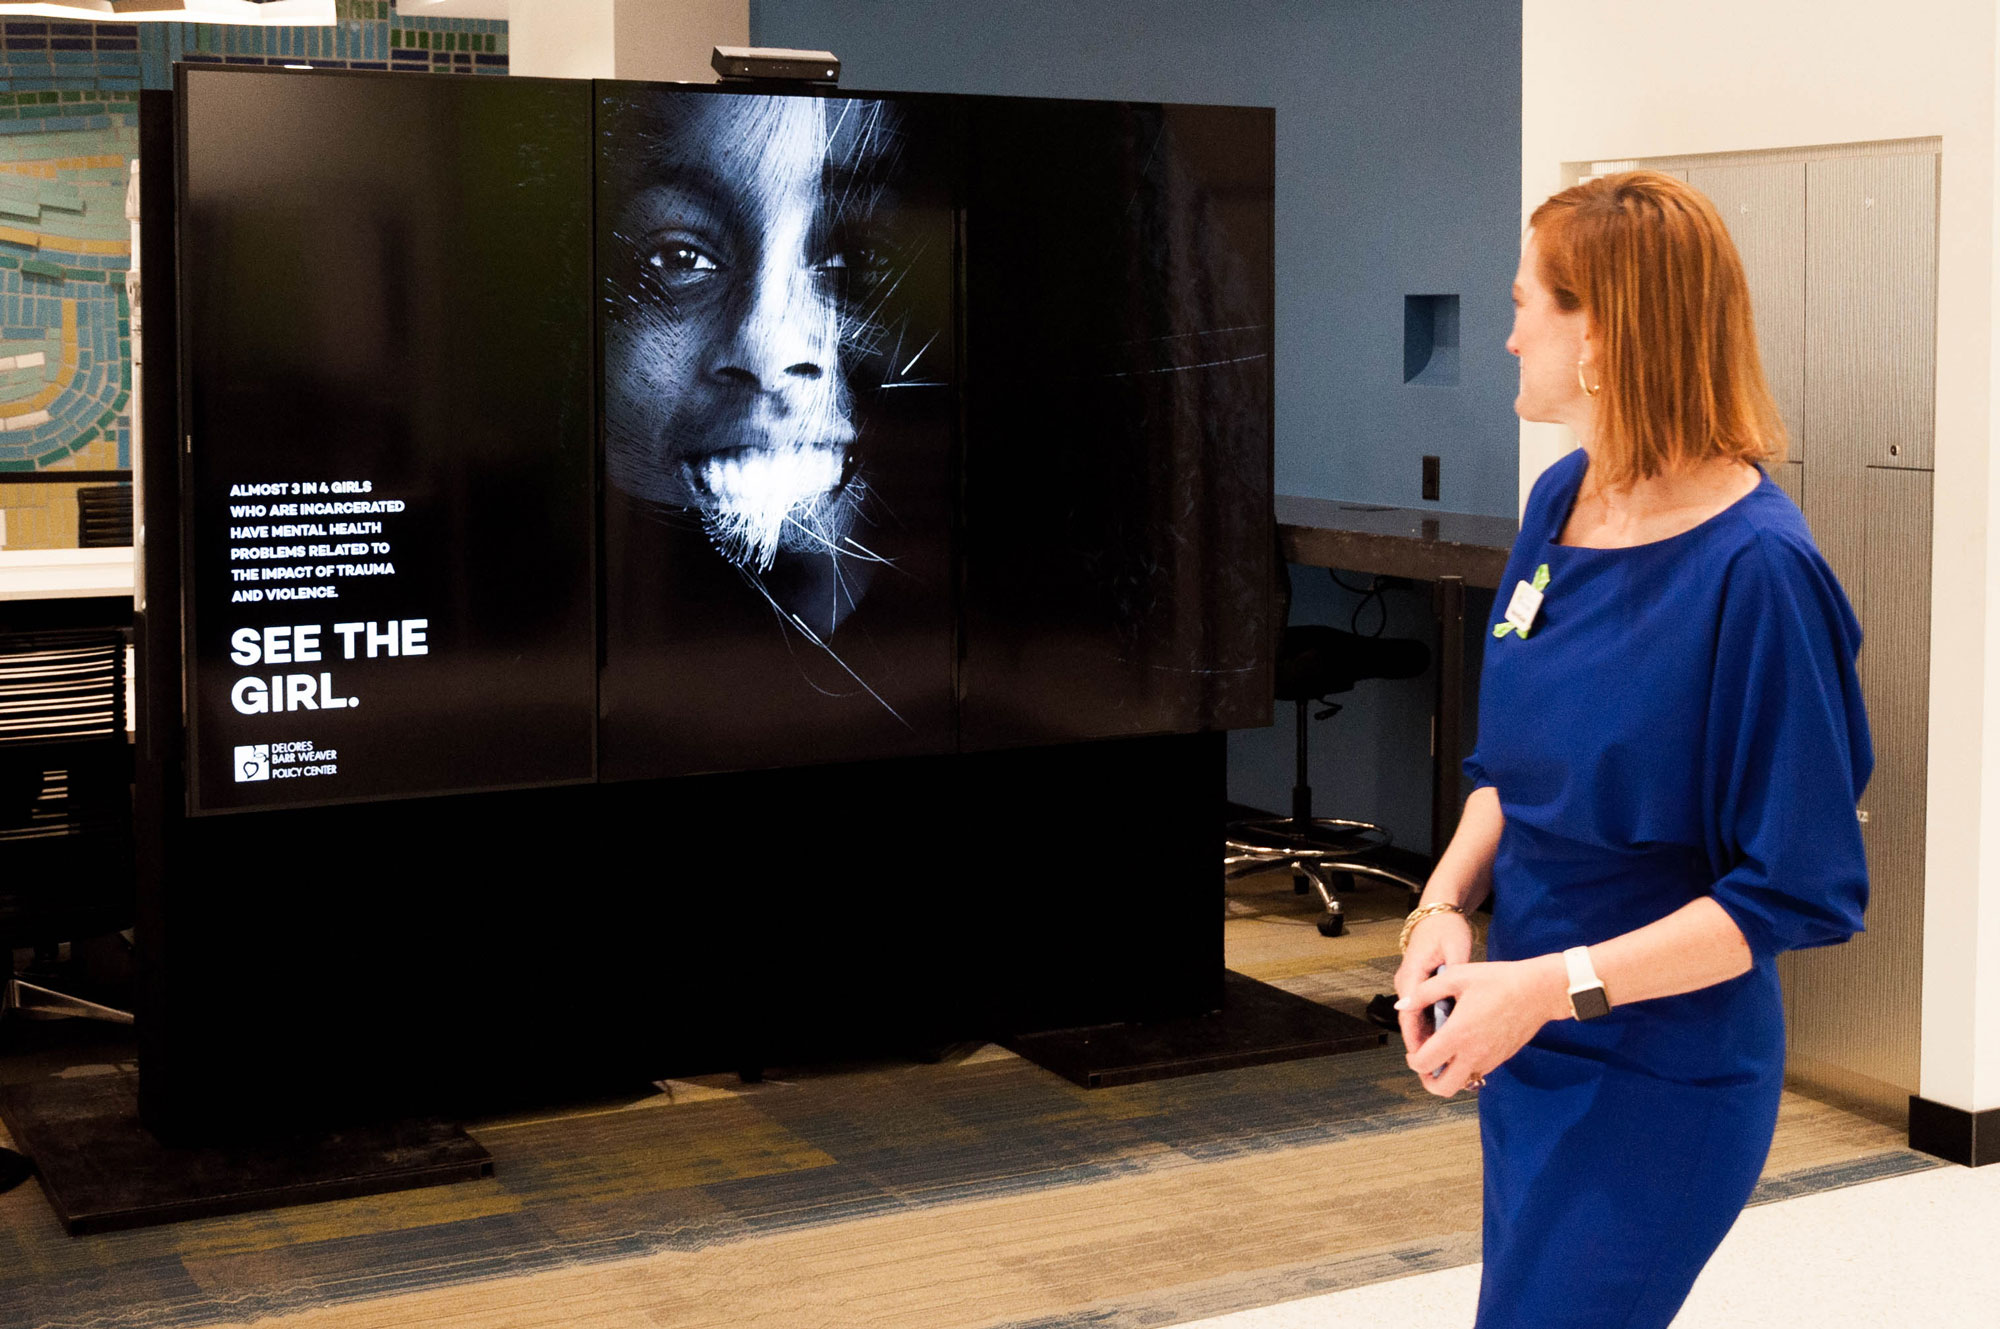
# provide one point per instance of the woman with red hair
(1671, 747)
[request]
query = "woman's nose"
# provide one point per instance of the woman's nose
(784, 337)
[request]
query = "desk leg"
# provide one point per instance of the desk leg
(1448, 719)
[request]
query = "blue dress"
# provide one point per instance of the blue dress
(1683, 719)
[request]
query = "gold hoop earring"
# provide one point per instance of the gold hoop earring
(1588, 391)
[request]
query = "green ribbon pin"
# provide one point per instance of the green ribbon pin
(1540, 582)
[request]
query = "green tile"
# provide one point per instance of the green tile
(42, 268)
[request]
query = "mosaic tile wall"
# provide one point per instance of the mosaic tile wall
(68, 128)
(64, 248)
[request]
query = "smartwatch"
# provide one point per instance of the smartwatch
(1586, 991)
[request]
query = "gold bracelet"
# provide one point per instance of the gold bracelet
(1418, 915)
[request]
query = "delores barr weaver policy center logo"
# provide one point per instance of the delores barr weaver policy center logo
(253, 763)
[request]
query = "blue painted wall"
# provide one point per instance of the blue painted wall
(1399, 149)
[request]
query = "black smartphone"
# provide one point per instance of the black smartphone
(1440, 1012)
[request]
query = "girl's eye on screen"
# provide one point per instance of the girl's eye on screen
(851, 268)
(679, 264)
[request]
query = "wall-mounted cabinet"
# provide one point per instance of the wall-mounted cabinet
(1855, 1008)
(1871, 297)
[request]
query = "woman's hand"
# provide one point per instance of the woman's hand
(1442, 938)
(1498, 1007)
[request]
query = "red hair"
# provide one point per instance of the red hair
(1648, 258)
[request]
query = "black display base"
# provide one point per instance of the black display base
(1257, 1024)
(104, 1172)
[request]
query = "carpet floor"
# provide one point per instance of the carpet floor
(981, 1191)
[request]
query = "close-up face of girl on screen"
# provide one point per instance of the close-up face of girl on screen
(744, 293)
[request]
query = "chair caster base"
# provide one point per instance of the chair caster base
(1332, 927)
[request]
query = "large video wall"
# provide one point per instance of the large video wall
(543, 432)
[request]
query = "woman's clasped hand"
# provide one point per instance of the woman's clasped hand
(1497, 1006)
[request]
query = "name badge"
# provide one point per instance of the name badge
(1521, 610)
(1526, 605)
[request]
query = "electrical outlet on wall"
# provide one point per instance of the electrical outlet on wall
(1430, 479)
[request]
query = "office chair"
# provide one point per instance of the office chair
(1313, 663)
(66, 842)
(103, 516)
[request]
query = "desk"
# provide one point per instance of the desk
(49, 574)
(1451, 550)
(65, 588)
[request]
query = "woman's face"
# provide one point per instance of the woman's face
(724, 389)
(1549, 341)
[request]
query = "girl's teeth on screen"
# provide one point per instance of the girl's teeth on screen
(756, 492)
